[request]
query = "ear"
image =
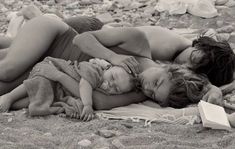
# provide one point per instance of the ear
(170, 75)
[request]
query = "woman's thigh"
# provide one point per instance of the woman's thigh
(30, 44)
(6, 87)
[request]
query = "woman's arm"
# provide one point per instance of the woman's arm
(128, 41)
(102, 101)
(96, 43)
(213, 95)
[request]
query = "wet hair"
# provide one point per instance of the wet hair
(188, 87)
(218, 63)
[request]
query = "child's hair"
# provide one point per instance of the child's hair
(218, 63)
(187, 87)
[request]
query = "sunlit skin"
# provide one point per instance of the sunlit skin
(116, 81)
(190, 56)
(156, 84)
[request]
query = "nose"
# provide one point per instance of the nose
(111, 83)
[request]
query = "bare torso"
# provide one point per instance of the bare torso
(164, 44)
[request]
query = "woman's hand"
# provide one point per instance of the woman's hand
(228, 88)
(87, 113)
(129, 63)
(214, 95)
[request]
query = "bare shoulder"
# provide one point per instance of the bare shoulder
(164, 43)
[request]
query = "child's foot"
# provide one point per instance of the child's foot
(5, 103)
(231, 119)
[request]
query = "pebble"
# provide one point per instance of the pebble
(219, 23)
(230, 3)
(225, 29)
(9, 119)
(105, 18)
(106, 133)
(84, 143)
(232, 38)
(221, 2)
(223, 36)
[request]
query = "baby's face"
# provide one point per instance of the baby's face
(116, 81)
(156, 84)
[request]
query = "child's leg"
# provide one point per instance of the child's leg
(5, 42)
(8, 99)
(29, 46)
(20, 104)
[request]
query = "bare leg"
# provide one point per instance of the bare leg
(20, 104)
(9, 98)
(3, 53)
(5, 42)
(30, 44)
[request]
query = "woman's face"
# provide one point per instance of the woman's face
(116, 81)
(190, 56)
(156, 84)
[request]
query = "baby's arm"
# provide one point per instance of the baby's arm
(85, 90)
(68, 82)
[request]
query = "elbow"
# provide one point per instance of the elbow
(81, 40)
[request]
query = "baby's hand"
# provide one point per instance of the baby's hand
(87, 113)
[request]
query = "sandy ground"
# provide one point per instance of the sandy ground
(19, 131)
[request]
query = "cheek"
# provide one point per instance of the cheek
(161, 94)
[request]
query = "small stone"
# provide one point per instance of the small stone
(219, 23)
(225, 29)
(223, 36)
(105, 18)
(10, 120)
(105, 133)
(9, 2)
(51, 2)
(48, 134)
(230, 3)
(84, 142)
(127, 125)
(232, 38)
(221, 2)
(7, 114)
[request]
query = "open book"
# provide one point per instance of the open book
(213, 116)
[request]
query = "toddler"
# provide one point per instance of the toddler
(54, 84)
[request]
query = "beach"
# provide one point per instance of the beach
(20, 131)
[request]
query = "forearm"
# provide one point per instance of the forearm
(105, 102)
(91, 46)
(69, 83)
(85, 90)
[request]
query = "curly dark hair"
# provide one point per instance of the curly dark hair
(188, 87)
(218, 63)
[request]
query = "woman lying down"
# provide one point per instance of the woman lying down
(58, 86)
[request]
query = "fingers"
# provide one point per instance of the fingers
(205, 97)
(87, 117)
(131, 65)
(227, 88)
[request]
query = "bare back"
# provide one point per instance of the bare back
(164, 44)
